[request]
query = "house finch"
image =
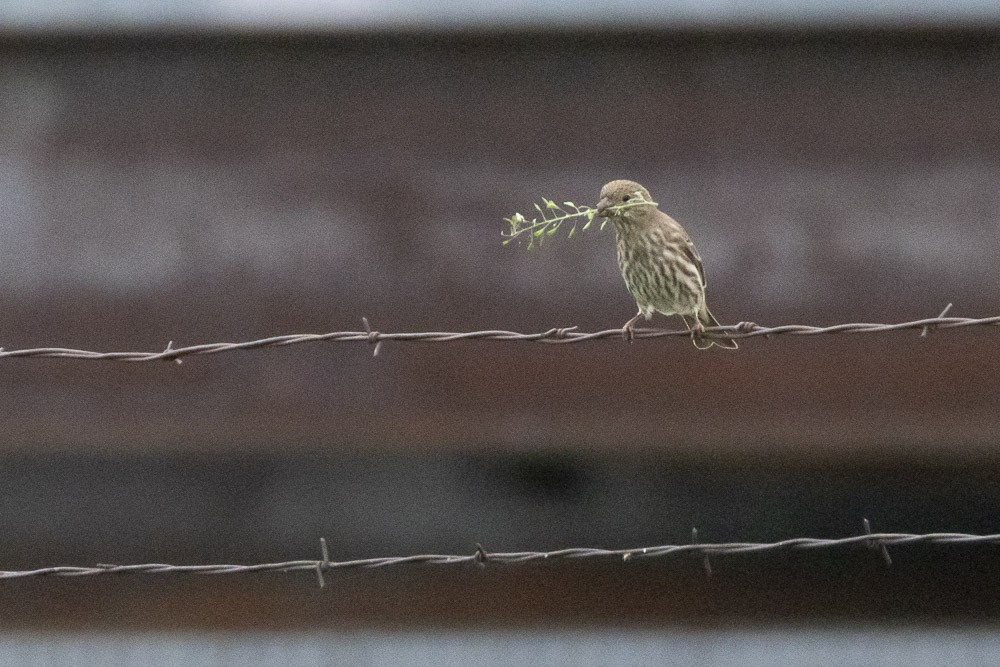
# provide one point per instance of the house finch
(658, 261)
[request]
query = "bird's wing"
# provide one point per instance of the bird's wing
(687, 247)
(692, 254)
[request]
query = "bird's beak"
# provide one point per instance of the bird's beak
(602, 207)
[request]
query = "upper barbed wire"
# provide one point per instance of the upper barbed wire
(555, 336)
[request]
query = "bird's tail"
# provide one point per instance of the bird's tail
(706, 319)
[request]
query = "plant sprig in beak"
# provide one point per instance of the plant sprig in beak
(537, 229)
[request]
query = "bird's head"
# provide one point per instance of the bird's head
(621, 192)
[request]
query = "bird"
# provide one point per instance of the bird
(660, 265)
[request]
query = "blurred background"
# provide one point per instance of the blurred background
(217, 170)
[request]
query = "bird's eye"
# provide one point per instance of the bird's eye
(626, 198)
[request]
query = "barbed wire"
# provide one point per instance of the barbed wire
(560, 336)
(876, 541)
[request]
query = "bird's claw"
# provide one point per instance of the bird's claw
(628, 329)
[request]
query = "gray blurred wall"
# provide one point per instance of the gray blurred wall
(217, 189)
(201, 188)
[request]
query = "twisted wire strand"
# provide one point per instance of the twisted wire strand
(556, 336)
(878, 541)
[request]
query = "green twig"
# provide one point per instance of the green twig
(537, 229)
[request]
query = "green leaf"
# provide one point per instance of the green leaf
(571, 232)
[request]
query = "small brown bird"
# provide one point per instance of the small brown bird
(658, 261)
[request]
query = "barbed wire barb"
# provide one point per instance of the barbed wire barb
(166, 354)
(705, 563)
(867, 539)
(481, 556)
(877, 545)
(324, 564)
(373, 336)
(926, 329)
(553, 336)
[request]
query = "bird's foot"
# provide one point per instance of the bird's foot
(628, 333)
(697, 330)
(628, 329)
